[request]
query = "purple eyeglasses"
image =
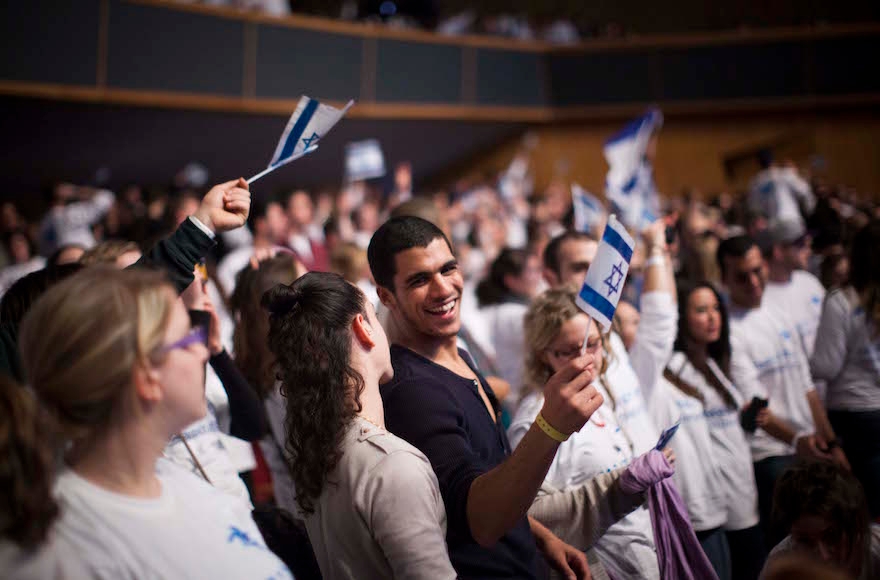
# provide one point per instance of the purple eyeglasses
(196, 335)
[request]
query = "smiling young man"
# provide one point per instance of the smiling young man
(439, 402)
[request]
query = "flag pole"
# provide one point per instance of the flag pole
(272, 168)
(587, 337)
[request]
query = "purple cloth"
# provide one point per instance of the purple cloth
(679, 553)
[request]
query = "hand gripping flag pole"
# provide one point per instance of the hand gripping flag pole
(600, 292)
(310, 122)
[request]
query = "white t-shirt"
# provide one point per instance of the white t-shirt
(801, 300)
(212, 449)
(847, 356)
(697, 474)
(729, 448)
(768, 361)
(191, 530)
(777, 191)
(627, 548)
(505, 322)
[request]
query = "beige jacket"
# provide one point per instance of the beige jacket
(380, 514)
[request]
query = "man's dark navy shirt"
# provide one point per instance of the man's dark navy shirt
(442, 414)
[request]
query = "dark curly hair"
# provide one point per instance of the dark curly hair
(821, 488)
(27, 508)
(310, 336)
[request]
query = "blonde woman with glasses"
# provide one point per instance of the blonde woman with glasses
(112, 357)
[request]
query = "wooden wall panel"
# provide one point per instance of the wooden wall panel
(692, 153)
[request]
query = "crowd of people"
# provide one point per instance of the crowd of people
(367, 384)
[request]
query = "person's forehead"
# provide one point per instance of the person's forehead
(430, 258)
(702, 296)
(751, 259)
(578, 250)
(573, 327)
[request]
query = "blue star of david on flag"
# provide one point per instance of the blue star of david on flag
(307, 142)
(614, 279)
(605, 278)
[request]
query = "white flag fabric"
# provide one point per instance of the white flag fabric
(589, 211)
(364, 160)
(629, 184)
(604, 282)
(310, 122)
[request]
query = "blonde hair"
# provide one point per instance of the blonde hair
(82, 340)
(543, 322)
(108, 252)
(349, 261)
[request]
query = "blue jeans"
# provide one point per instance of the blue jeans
(714, 544)
(747, 552)
(767, 471)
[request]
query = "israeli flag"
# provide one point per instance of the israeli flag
(589, 212)
(604, 282)
(310, 122)
(629, 184)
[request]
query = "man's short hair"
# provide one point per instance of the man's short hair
(733, 247)
(397, 235)
(551, 251)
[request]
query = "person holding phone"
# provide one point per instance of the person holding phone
(700, 371)
(767, 360)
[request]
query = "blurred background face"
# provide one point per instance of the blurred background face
(301, 209)
(575, 257)
(567, 344)
(703, 316)
(745, 278)
(529, 283)
(796, 256)
(824, 539)
(276, 223)
(628, 322)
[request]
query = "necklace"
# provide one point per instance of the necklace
(370, 421)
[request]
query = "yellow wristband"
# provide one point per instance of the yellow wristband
(551, 432)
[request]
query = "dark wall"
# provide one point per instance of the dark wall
(161, 49)
(48, 141)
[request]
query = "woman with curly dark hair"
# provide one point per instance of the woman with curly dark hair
(370, 501)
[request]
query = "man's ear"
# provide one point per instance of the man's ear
(386, 297)
(147, 383)
(363, 332)
(550, 277)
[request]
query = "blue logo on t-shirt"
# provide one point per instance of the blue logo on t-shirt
(237, 535)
